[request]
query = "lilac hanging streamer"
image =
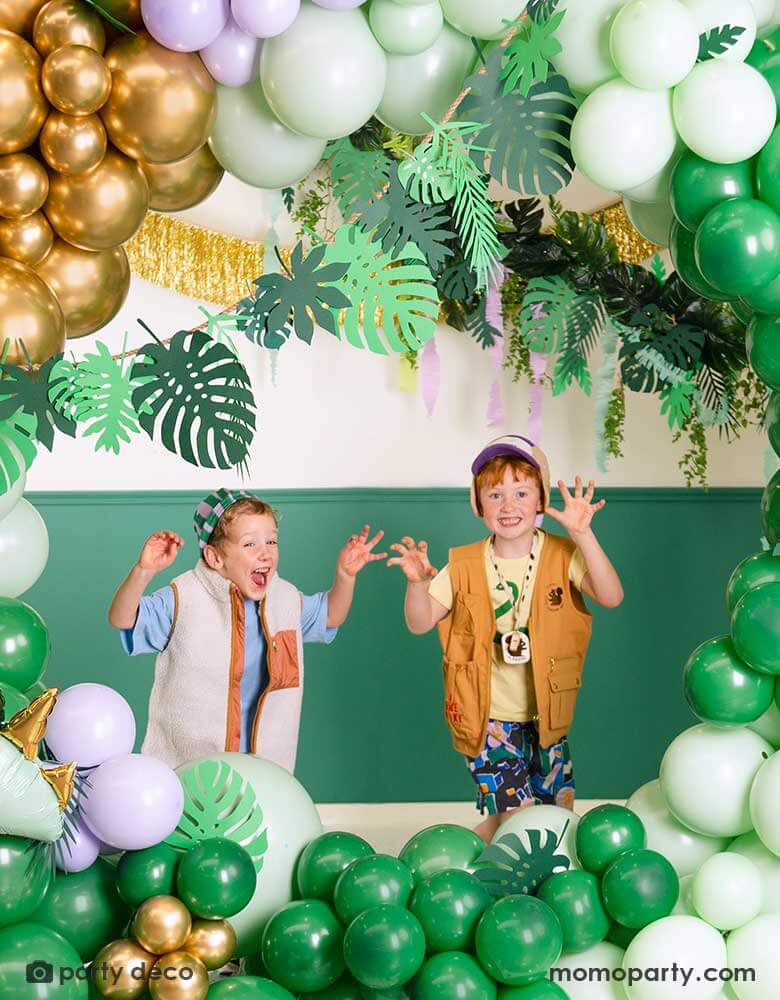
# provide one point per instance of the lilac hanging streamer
(494, 314)
(430, 374)
(535, 397)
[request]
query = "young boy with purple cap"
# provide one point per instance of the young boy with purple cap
(229, 633)
(513, 627)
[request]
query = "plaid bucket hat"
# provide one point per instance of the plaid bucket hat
(211, 509)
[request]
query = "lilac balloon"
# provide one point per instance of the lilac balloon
(265, 18)
(74, 853)
(135, 801)
(89, 724)
(185, 25)
(341, 4)
(233, 58)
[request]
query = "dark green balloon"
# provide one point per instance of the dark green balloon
(324, 859)
(542, 989)
(518, 939)
(449, 906)
(453, 975)
(370, 881)
(681, 247)
(27, 943)
(216, 878)
(150, 872)
(25, 876)
(620, 935)
(85, 908)
(247, 988)
(13, 701)
(438, 848)
(302, 946)
(741, 310)
(755, 628)
(770, 509)
(737, 246)
(575, 900)
(384, 947)
(765, 57)
(768, 170)
(346, 988)
(396, 993)
(32, 692)
(720, 687)
(698, 185)
(762, 342)
(253, 965)
(24, 640)
(639, 887)
(754, 571)
(605, 832)
(773, 422)
(765, 300)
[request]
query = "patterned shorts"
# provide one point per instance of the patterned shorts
(514, 771)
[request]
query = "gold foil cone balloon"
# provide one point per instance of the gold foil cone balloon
(25, 729)
(19, 15)
(24, 185)
(76, 80)
(121, 970)
(68, 22)
(101, 209)
(27, 240)
(174, 186)
(162, 103)
(179, 976)
(90, 287)
(23, 107)
(211, 941)
(29, 314)
(73, 145)
(161, 924)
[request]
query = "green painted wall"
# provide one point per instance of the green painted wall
(372, 724)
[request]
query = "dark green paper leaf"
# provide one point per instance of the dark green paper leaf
(479, 327)
(358, 177)
(718, 40)
(510, 867)
(28, 390)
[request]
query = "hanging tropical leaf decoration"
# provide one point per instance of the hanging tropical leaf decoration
(553, 310)
(529, 53)
(425, 177)
(27, 389)
(358, 176)
(17, 448)
(542, 10)
(479, 326)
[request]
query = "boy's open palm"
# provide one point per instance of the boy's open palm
(413, 560)
(359, 551)
(578, 510)
(160, 551)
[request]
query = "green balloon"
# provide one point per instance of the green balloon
(542, 989)
(27, 945)
(575, 900)
(384, 947)
(25, 876)
(756, 570)
(85, 908)
(770, 509)
(405, 30)
(720, 687)
(449, 906)
(247, 988)
(620, 935)
(518, 939)
(216, 878)
(13, 701)
(32, 692)
(765, 301)
(698, 185)
(773, 422)
(737, 246)
(302, 946)
(370, 881)
(741, 310)
(24, 641)
(150, 872)
(438, 848)
(768, 171)
(482, 20)
(396, 993)
(765, 57)
(762, 342)
(639, 887)
(346, 988)
(324, 859)
(253, 965)
(605, 832)
(681, 248)
(453, 975)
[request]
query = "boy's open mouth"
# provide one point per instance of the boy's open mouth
(260, 577)
(510, 522)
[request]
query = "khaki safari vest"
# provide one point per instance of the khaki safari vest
(559, 625)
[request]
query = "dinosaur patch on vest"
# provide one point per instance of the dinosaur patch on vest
(555, 598)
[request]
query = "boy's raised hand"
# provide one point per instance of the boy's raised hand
(358, 552)
(578, 510)
(160, 551)
(413, 560)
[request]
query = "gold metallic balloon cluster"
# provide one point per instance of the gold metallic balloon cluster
(96, 127)
(169, 954)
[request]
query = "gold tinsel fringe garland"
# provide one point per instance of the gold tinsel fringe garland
(632, 247)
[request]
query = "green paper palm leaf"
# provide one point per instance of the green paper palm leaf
(553, 310)
(718, 40)
(529, 53)
(677, 403)
(475, 219)
(510, 868)
(480, 328)
(17, 448)
(425, 177)
(542, 10)
(457, 281)
(28, 389)
(196, 396)
(358, 176)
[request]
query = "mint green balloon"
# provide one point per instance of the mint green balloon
(405, 30)
(653, 220)
(583, 35)
(325, 74)
(654, 43)
(727, 891)
(482, 19)
(429, 81)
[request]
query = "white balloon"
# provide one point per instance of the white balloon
(682, 847)
(765, 803)
(11, 497)
(749, 846)
(622, 136)
(731, 758)
(600, 957)
(24, 549)
(768, 725)
(681, 943)
(764, 10)
(684, 906)
(543, 818)
(583, 33)
(653, 220)
(709, 14)
(724, 111)
(654, 43)
(728, 891)
(754, 948)
(657, 188)
(405, 30)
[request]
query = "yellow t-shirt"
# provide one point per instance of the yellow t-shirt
(512, 690)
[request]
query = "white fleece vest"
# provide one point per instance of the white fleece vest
(195, 705)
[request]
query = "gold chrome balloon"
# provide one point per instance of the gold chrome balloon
(100, 209)
(27, 240)
(68, 22)
(161, 924)
(76, 80)
(24, 185)
(174, 186)
(162, 103)
(73, 145)
(121, 970)
(126, 11)
(23, 107)
(212, 941)
(18, 15)
(178, 976)
(29, 315)
(91, 287)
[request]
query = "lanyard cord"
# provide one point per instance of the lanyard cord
(508, 585)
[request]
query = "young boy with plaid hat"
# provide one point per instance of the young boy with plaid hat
(513, 627)
(229, 633)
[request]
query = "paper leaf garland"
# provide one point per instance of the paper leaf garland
(716, 41)
(17, 448)
(457, 281)
(27, 389)
(424, 176)
(551, 309)
(358, 176)
(479, 326)
(677, 403)
(529, 53)
(541, 10)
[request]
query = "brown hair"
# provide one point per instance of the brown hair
(493, 471)
(247, 505)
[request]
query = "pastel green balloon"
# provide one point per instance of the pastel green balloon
(727, 891)
(753, 571)
(405, 30)
(698, 185)
(384, 947)
(768, 172)
(765, 804)
(150, 872)
(575, 900)
(653, 220)
(762, 342)
(370, 881)
(453, 975)
(766, 300)
(639, 887)
(24, 879)
(573, 972)
(770, 510)
(749, 846)
(682, 247)
(486, 19)
(583, 35)
(773, 422)
(720, 687)
(606, 832)
(737, 245)
(26, 944)
(14, 701)
(339, 72)
(657, 188)
(24, 640)
(324, 859)
(449, 906)
(709, 14)
(686, 941)
(438, 848)
(654, 43)
(302, 946)
(755, 629)
(518, 939)
(768, 725)
(754, 947)
(543, 989)
(428, 81)
(684, 905)
(253, 145)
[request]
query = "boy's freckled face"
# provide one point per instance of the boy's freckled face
(509, 508)
(249, 556)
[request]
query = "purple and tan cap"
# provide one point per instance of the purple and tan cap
(519, 447)
(211, 509)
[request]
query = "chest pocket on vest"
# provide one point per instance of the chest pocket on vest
(283, 661)
(565, 681)
(463, 634)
